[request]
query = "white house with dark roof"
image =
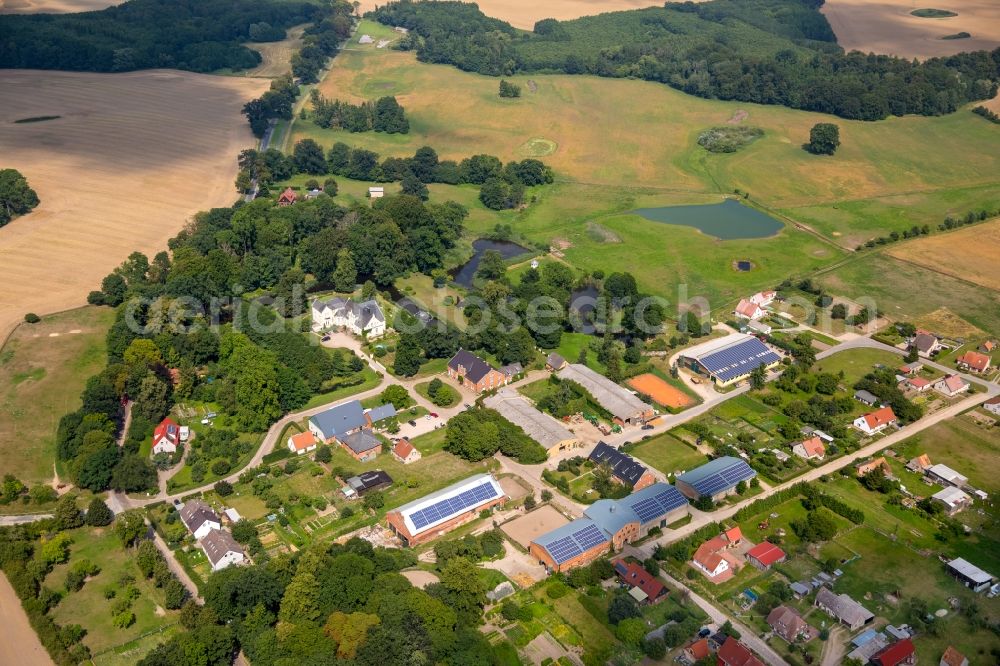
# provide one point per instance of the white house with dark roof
(199, 518)
(360, 318)
(222, 550)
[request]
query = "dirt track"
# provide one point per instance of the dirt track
(886, 26)
(20, 645)
(131, 158)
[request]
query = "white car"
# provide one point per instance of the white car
(205, 421)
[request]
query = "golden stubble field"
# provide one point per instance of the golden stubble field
(886, 26)
(52, 6)
(972, 253)
(524, 13)
(131, 158)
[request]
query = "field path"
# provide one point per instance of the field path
(20, 645)
(130, 159)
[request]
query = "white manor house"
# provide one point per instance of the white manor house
(360, 318)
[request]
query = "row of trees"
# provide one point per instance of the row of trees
(763, 51)
(16, 196)
(201, 37)
(383, 115)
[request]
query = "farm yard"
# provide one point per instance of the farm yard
(43, 368)
(890, 27)
(122, 168)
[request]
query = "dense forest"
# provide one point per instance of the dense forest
(383, 115)
(764, 51)
(195, 35)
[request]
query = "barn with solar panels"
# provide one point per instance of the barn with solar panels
(609, 525)
(732, 361)
(715, 479)
(433, 515)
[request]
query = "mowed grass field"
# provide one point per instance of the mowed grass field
(43, 369)
(971, 254)
(277, 56)
(131, 158)
(904, 291)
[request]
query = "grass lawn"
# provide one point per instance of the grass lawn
(43, 369)
(371, 380)
(571, 344)
(422, 389)
(430, 442)
(856, 363)
(439, 301)
(668, 454)
(962, 444)
(90, 609)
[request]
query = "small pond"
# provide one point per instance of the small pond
(729, 220)
(583, 300)
(464, 274)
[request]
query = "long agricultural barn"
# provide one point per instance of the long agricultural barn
(539, 426)
(442, 511)
(609, 524)
(624, 406)
(732, 361)
(716, 479)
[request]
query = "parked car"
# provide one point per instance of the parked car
(211, 415)
(205, 421)
(433, 415)
(326, 338)
(647, 427)
(412, 423)
(705, 631)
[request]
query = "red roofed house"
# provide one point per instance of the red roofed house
(709, 559)
(166, 436)
(764, 554)
(900, 652)
(697, 650)
(405, 452)
(288, 197)
(875, 422)
(870, 466)
(734, 535)
(951, 386)
(973, 361)
(988, 347)
(763, 298)
(810, 448)
(634, 575)
(302, 442)
(993, 405)
(953, 657)
(734, 653)
(747, 309)
(918, 384)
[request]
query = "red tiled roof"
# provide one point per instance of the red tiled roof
(747, 308)
(734, 653)
(403, 448)
(918, 382)
(734, 534)
(814, 446)
(880, 417)
(766, 553)
(954, 383)
(974, 360)
(636, 576)
(707, 554)
(952, 657)
(167, 429)
(995, 400)
(303, 440)
(699, 649)
(894, 654)
(288, 195)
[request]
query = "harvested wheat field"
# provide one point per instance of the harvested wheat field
(20, 645)
(53, 6)
(969, 254)
(660, 391)
(127, 162)
(888, 27)
(524, 13)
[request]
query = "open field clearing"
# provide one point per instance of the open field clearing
(43, 369)
(52, 6)
(277, 55)
(20, 644)
(888, 27)
(972, 253)
(904, 291)
(129, 160)
(524, 13)
(616, 132)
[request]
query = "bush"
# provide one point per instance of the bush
(557, 590)
(32, 318)
(224, 488)
(729, 139)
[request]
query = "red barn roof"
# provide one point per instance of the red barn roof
(734, 653)
(897, 653)
(766, 553)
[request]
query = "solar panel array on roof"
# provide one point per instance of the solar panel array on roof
(576, 543)
(718, 475)
(738, 359)
(663, 502)
(452, 506)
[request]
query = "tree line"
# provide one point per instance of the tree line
(502, 186)
(762, 51)
(16, 196)
(201, 36)
(383, 115)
